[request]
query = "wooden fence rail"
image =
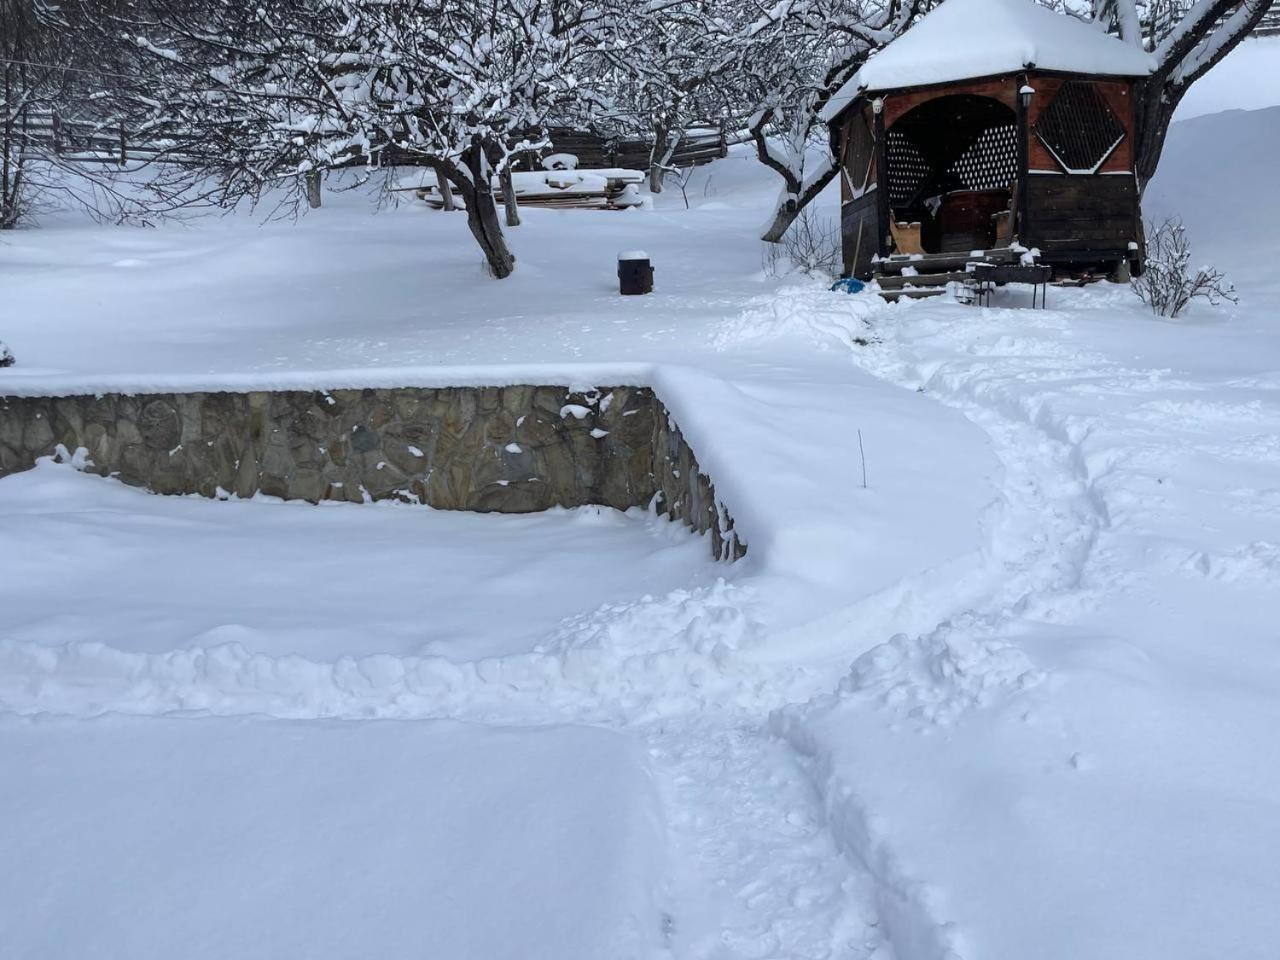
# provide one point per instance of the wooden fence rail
(87, 141)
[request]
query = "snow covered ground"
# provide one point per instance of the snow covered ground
(150, 839)
(1016, 697)
(107, 564)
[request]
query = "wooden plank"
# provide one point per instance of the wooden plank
(918, 294)
(1069, 249)
(944, 262)
(858, 234)
(898, 281)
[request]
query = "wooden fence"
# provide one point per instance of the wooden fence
(87, 141)
(594, 151)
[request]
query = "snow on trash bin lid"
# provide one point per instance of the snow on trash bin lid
(633, 255)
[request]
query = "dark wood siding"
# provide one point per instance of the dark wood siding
(1081, 214)
(1004, 89)
(857, 151)
(858, 253)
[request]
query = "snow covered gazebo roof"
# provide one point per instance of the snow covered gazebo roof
(967, 39)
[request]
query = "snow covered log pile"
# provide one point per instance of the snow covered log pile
(515, 449)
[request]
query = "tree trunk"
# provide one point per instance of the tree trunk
(783, 217)
(655, 160)
(791, 207)
(446, 192)
(1152, 120)
(482, 218)
(482, 213)
(509, 198)
(665, 143)
(796, 195)
(313, 189)
(655, 177)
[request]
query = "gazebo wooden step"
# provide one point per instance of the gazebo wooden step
(913, 293)
(898, 281)
(943, 262)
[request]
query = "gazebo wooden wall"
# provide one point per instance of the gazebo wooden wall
(860, 219)
(1077, 217)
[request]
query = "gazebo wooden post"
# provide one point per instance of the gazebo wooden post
(882, 180)
(1020, 229)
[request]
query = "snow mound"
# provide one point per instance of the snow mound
(809, 313)
(938, 676)
(624, 661)
(710, 621)
(1255, 563)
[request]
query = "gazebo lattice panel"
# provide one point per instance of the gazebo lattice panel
(1078, 128)
(908, 168)
(991, 161)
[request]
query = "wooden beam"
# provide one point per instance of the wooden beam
(1021, 229)
(882, 183)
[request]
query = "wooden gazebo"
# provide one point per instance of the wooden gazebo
(991, 125)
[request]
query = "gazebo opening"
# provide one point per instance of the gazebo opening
(952, 166)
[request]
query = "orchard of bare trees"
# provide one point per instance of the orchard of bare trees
(259, 99)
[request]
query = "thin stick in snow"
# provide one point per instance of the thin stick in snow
(863, 454)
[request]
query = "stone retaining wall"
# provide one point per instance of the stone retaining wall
(506, 449)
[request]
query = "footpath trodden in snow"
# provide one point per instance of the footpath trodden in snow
(1014, 698)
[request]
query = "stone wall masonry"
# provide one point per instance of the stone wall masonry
(513, 449)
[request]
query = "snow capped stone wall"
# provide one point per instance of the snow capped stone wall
(514, 449)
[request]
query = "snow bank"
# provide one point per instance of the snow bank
(1236, 221)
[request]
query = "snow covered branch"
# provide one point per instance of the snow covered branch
(795, 65)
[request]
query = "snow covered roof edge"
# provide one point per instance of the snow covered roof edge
(966, 39)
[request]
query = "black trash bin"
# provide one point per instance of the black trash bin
(635, 273)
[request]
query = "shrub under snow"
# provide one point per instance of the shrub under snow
(812, 244)
(1167, 283)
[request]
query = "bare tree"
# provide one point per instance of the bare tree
(266, 94)
(664, 67)
(52, 63)
(795, 58)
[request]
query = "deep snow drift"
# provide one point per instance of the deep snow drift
(1016, 697)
